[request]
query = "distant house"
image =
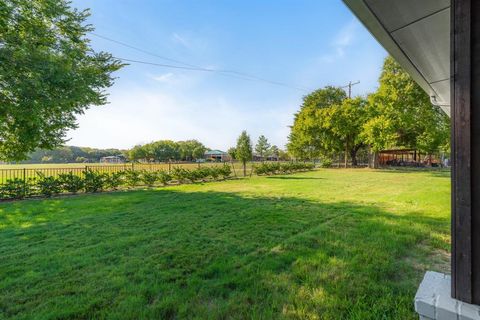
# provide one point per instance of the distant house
(217, 156)
(257, 157)
(113, 159)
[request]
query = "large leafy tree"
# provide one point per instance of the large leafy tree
(191, 150)
(243, 150)
(49, 74)
(401, 115)
(307, 138)
(262, 147)
(344, 122)
(311, 135)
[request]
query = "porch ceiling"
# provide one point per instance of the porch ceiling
(417, 34)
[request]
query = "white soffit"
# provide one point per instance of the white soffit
(417, 34)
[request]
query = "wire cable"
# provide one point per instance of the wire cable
(192, 67)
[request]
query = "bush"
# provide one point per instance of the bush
(164, 177)
(225, 171)
(48, 185)
(94, 181)
(181, 175)
(326, 163)
(149, 177)
(70, 182)
(14, 189)
(132, 177)
(214, 172)
(267, 168)
(276, 167)
(114, 180)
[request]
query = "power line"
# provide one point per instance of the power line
(192, 67)
(349, 86)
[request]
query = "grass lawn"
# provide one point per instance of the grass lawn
(329, 244)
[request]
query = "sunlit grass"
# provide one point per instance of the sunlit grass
(330, 244)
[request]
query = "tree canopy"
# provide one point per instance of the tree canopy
(398, 115)
(166, 150)
(243, 150)
(262, 147)
(49, 74)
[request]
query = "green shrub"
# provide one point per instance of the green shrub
(276, 167)
(94, 181)
(132, 177)
(267, 168)
(149, 177)
(326, 163)
(181, 175)
(48, 185)
(164, 177)
(214, 173)
(114, 180)
(225, 171)
(70, 182)
(14, 189)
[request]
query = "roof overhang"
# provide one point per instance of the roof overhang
(417, 34)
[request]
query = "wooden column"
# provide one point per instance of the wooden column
(465, 115)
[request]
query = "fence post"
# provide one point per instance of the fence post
(24, 182)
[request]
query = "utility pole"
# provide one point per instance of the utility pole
(350, 85)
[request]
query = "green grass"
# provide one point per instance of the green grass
(329, 244)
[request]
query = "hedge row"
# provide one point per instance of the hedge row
(93, 181)
(282, 168)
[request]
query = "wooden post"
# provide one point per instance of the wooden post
(465, 116)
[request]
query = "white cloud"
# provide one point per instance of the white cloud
(166, 77)
(342, 40)
(143, 115)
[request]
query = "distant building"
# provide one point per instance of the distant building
(113, 159)
(217, 156)
(257, 157)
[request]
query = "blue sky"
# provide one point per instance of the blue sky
(303, 43)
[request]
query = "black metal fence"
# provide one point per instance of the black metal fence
(31, 172)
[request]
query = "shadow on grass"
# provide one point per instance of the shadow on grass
(434, 172)
(293, 178)
(169, 254)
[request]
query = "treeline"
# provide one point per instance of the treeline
(71, 154)
(398, 115)
(157, 151)
(168, 150)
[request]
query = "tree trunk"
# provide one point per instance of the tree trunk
(244, 168)
(346, 154)
(353, 155)
(373, 160)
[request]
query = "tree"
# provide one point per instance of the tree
(244, 150)
(191, 150)
(262, 146)
(274, 151)
(401, 115)
(283, 155)
(308, 138)
(345, 123)
(232, 152)
(165, 150)
(330, 124)
(137, 153)
(48, 74)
